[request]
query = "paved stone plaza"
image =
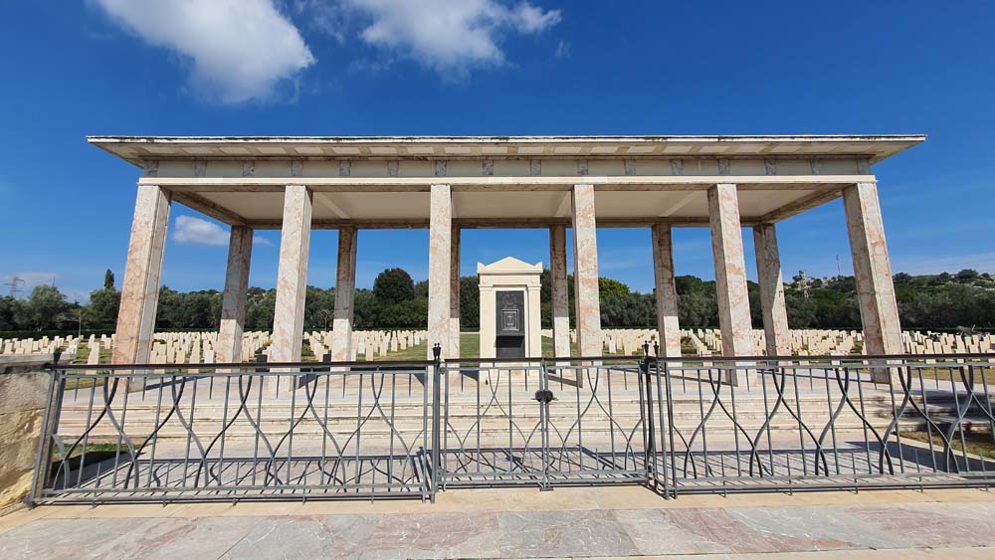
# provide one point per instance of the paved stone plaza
(523, 523)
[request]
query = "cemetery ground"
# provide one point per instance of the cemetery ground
(592, 522)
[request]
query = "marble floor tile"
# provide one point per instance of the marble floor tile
(563, 533)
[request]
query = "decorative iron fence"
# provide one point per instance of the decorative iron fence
(409, 429)
(542, 422)
(277, 431)
(828, 422)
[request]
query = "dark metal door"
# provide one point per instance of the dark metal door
(510, 327)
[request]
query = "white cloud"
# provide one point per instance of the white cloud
(449, 36)
(240, 49)
(194, 231)
(562, 50)
(328, 17)
(261, 241)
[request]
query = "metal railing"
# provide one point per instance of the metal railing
(409, 429)
(757, 424)
(251, 431)
(542, 422)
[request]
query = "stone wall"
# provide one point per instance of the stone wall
(23, 387)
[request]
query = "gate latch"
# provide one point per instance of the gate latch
(544, 396)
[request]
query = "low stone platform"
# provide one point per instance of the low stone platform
(523, 523)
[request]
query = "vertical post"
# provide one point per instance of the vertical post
(440, 268)
(646, 412)
(586, 289)
(586, 272)
(775, 313)
(558, 285)
(666, 291)
(142, 277)
(730, 273)
(229, 349)
(454, 299)
(436, 425)
(49, 423)
(872, 272)
(291, 278)
(345, 292)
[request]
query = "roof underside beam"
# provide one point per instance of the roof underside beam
(466, 184)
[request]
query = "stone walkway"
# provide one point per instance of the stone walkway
(522, 523)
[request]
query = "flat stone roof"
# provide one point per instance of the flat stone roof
(136, 149)
(502, 181)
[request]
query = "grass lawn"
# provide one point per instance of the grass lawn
(469, 348)
(978, 443)
(944, 374)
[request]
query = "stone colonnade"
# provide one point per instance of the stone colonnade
(872, 269)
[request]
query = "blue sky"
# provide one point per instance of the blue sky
(503, 67)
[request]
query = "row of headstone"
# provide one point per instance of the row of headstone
(200, 347)
(43, 345)
(366, 345)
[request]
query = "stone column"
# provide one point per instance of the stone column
(345, 292)
(454, 302)
(730, 272)
(666, 292)
(291, 276)
(440, 269)
(558, 285)
(776, 334)
(142, 277)
(229, 348)
(586, 272)
(872, 270)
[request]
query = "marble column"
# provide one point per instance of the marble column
(872, 270)
(142, 277)
(777, 337)
(229, 347)
(440, 269)
(291, 276)
(586, 288)
(558, 285)
(666, 292)
(730, 272)
(345, 292)
(454, 301)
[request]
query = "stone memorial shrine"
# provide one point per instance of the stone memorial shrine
(509, 309)
(447, 184)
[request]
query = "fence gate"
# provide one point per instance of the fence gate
(547, 423)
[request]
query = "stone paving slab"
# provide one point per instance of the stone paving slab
(566, 523)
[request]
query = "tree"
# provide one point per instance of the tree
(612, 288)
(318, 306)
(108, 280)
(10, 310)
(967, 275)
(46, 308)
(103, 308)
(393, 286)
(469, 302)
